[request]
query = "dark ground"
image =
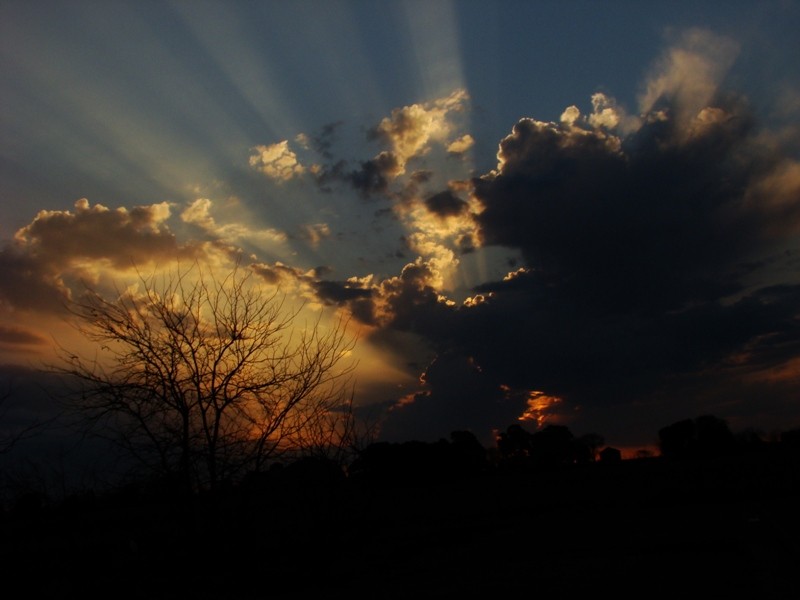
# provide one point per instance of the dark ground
(645, 528)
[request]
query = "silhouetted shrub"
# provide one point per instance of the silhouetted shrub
(610, 455)
(791, 439)
(416, 461)
(704, 437)
(553, 446)
(311, 470)
(675, 440)
(514, 444)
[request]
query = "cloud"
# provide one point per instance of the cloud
(315, 233)
(639, 219)
(408, 133)
(323, 142)
(410, 129)
(340, 292)
(657, 258)
(61, 245)
(687, 77)
(654, 251)
(455, 395)
(18, 336)
(198, 213)
(29, 283)
(120, 235)
(280, 274)
(410, 302)
(276, 161)
(374, 175)
(446, 204)
(461, 144)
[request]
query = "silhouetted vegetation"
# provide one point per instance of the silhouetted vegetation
(703, 437)
(543, 511)
(552, 446)
(421, 462)
(201, 379)
(715, 511)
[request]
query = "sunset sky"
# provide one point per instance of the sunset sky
(573, 212)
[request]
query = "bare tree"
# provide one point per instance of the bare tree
(207, 378)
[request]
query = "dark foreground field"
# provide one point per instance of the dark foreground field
(640, 528)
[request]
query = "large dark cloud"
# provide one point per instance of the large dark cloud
(653, 224)
(446, 204)
(458, 396)
(644, 267)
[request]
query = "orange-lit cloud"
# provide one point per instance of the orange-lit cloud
(120, 236)
(58, 246)
(538, 407)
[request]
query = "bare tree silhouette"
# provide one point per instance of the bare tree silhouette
(202, 378)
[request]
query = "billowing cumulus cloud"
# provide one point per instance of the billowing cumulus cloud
(277, 161)
(59, 245)
(408, 133)
(657, 255)
(410, 129)
(121, 236)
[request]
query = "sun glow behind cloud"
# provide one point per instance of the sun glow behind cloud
(539, 406)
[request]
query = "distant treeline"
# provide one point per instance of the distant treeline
(552, 447)
(462, 456)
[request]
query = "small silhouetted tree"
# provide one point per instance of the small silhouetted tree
(703, 437)
(553, 445)
(586, 447)
(714, 438)
(206, 378)
(677, 440)
(468, 454)
(514, 444)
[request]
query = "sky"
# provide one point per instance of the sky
(577, 213)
